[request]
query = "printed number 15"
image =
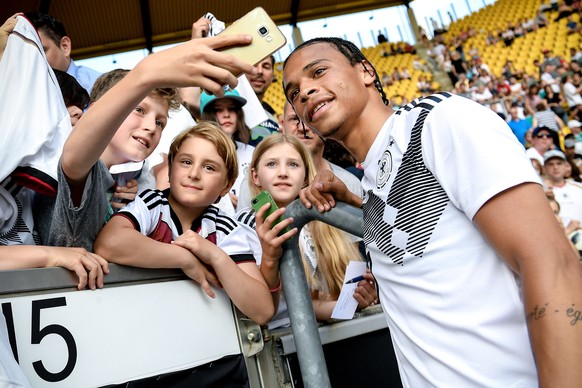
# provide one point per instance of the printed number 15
(37, 334)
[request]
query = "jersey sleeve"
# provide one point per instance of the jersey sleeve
(472, 153)
(138, 213)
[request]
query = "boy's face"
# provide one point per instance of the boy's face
(138, 136)
(328, 93)
(198, 175)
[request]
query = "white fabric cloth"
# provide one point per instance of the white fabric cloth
(35, 121)
(454, 307)
(569, 196)
(11, 376)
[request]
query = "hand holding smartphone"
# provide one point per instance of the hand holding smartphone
(263, 198)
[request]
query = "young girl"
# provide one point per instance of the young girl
(227, 111)
(283, 166)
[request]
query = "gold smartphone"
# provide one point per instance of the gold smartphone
(267, 38)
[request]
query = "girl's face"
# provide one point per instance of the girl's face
(281, 172)
(226, 114)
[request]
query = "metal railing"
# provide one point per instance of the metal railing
(297, 295)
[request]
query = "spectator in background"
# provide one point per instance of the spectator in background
(571, 93)
(75, 96)
(545, 117)
(58, 46)
(575, 127)
(381, 38)
(532, 99)
(386, 79)
(518, 126)
(567, 192)
(541, 142)
(260, 82)
(555, 101)
(228, 113)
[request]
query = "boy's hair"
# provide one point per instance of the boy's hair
(242, 133)
(351, 52)
(107, 80)
(333, 248)
(73, 93)
(212, 132)
(51, 26)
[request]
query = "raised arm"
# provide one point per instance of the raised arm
(522, 228)
(194, 63)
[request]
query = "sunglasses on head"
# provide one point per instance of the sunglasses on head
(544, 135)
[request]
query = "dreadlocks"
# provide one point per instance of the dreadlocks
(351, 52)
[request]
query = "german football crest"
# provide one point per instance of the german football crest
(384, 169)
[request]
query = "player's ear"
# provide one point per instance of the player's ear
(368, 74)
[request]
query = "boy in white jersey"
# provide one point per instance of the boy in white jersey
(180, 228)
(448, 228)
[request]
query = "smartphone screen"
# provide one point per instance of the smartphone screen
(263, 198)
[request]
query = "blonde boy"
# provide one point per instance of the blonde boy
(180, 228)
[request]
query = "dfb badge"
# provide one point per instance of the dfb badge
(384, 169)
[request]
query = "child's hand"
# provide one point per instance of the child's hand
(124, 194)
(88, 266)
(366, 293)
(271, 242)
(198, 272)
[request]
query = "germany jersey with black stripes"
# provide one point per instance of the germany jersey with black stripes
(152, 215)
(434, 163)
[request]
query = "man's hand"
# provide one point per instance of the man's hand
(323, 192)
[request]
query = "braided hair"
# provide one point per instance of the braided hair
(351, 52)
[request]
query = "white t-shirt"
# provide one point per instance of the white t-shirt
(569, 197)
(453, 306)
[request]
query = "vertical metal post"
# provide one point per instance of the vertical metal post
(297, 295)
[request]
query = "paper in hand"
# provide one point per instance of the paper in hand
(346, 304)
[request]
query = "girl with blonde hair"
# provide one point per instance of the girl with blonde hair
(282, 165)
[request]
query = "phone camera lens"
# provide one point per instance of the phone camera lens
(255, 201)
(263, 31)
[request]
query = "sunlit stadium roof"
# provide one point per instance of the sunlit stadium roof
(111, 26)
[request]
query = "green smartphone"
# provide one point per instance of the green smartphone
(262, 198)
